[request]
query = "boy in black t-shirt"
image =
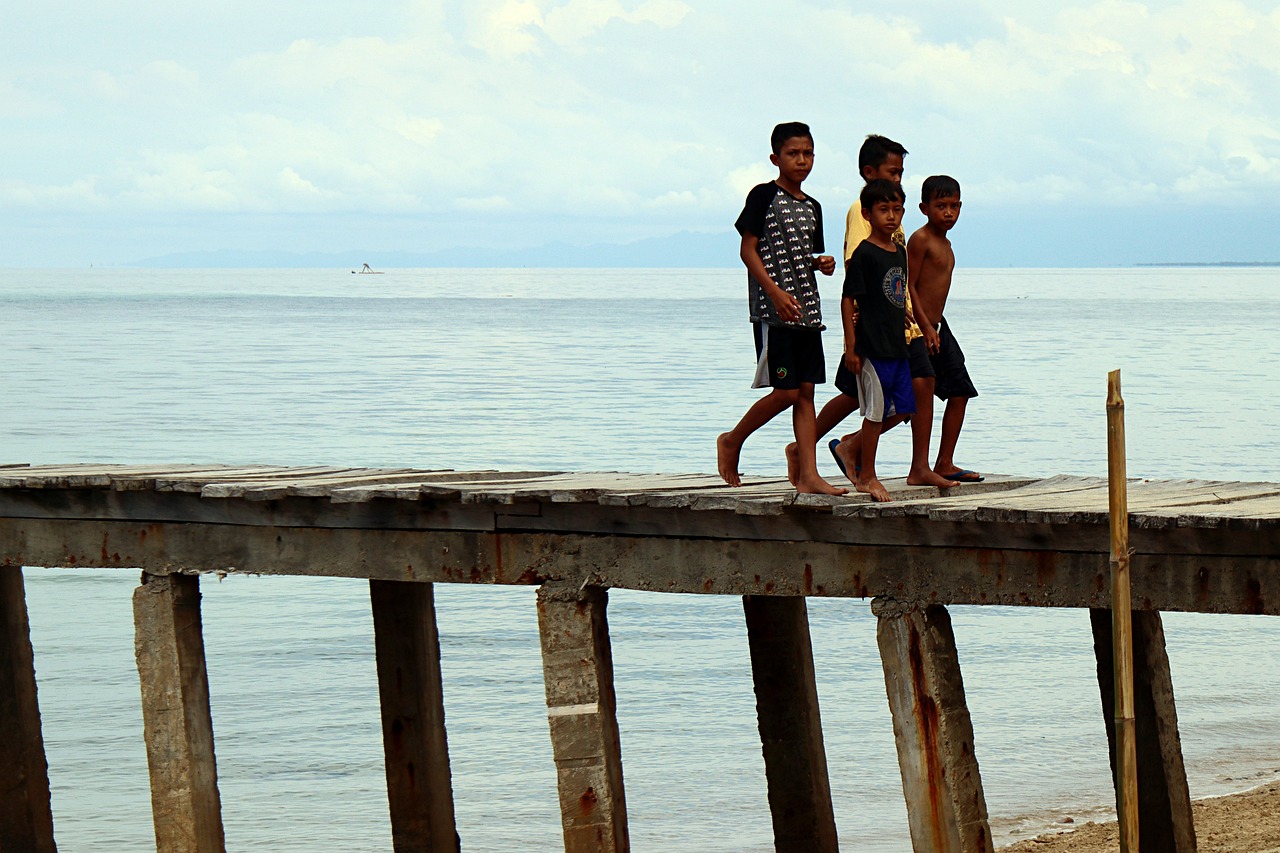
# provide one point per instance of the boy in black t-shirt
(875, 287)
(781, 232)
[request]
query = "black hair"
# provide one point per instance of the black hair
(787, 130)
(881, 189)
(875, 150)
(939, 186)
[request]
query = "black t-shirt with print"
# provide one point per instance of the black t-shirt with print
(789, 230)
(877, 280)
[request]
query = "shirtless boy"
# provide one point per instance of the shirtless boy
(930, 262)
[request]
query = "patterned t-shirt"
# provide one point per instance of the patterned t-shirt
(789, 230)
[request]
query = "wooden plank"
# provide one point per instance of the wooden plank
(963, 505)
(176, 720)
(795, 760)
(317, 485)
(26, 819)
(410, 687)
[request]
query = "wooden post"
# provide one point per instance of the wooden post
(946, 808)
(26, 818)
(177, 723)
(1164, 801)
(419, 785)
(795, 761)
(1122, 621)
(577, 668)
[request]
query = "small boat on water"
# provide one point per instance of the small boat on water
(366, 270)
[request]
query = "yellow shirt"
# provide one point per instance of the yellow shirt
(857, 229)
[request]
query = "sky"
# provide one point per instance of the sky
(1082, 133)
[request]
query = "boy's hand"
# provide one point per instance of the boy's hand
(826, 264)
(787, 306)
(931, 341)
(853, 362)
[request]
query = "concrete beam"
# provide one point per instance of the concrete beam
(946, 808)
(419, 785)
(577, 667)
(26, 818)
(795, 760)
(1164, 801)
(177, 722)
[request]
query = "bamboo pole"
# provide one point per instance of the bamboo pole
(1121, 622)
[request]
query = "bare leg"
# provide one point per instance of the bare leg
(803, 419)
(850, 448)
(836, 410)
(866, 480)
(952, 421)
(729, 444)
(921, 430)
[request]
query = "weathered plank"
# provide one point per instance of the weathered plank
(419, 785)
(26, 820)
(795, 760)
(177, 722)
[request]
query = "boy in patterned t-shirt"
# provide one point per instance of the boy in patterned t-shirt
(781, 232)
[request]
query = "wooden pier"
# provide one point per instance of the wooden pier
(1197, 546)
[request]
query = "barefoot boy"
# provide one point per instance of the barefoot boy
(781, 232)
(875, 285)
(931, 262)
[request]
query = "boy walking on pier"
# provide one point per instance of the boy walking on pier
(875, 346)
(931, 262)
(782, 242)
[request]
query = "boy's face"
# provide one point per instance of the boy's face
(885, 217)
(795, 159)
(942, 212)
(889, 170)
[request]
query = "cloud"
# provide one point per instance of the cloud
(636, 114)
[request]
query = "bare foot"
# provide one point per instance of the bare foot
(874, 488)
(956, 474)
(727, 459)
(929, 478)
(793, 463)
(852, 463)
(815, 485)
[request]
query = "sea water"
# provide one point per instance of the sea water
(578, 370)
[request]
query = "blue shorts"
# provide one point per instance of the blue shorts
(884, 388)
(787, 356)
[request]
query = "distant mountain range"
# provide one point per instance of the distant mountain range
(685, 249)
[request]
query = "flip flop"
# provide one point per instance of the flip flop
(832, 445)
(965, 476)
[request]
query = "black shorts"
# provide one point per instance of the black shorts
(788, 356)
(948, 366)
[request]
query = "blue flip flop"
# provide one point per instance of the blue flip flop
(832, 445)
(965, 476)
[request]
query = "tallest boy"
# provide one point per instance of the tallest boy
(781, 230)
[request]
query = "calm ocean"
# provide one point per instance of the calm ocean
(633, 370)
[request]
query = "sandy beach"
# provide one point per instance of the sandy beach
(1239, 823)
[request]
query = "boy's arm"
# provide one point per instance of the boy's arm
(849, 320)
(917, 252)
(787, 306)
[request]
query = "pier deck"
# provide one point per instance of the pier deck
(1197, 546)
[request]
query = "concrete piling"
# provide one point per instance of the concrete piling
(946, 808)
(790, 724)
(1164, 801)
(419, 785)
(177, 721)
(577, 667)
(26, 819)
